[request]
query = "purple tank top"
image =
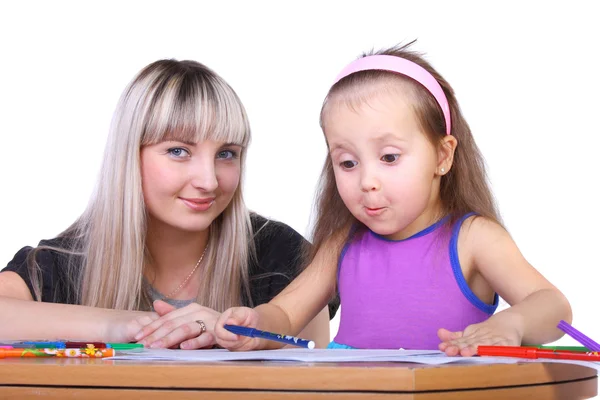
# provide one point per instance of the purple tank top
(397, 294)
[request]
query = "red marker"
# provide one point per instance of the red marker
(532, 352)
(76, 345)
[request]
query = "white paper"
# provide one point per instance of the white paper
(428, 357)
(302, 355)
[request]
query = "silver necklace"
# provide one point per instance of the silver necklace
(188, 277)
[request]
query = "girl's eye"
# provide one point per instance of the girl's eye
(390, 158)
(178, 152)
(348, 164)
(227, 154)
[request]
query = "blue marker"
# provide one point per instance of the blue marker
(33, 344)
(43, 344)
(251, 332)
(16, 345)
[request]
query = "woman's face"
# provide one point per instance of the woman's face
(187, 185)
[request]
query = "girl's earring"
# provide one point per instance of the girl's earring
(442, 170)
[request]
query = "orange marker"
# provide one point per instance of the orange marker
(84, 352)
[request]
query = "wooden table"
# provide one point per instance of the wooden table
(53, 378)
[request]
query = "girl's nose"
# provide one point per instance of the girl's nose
(369, 181)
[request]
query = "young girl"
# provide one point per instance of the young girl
(167, 224)
(407, 227)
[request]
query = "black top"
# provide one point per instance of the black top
(278, 250)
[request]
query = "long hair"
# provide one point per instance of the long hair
(463, 189)
(175, 100)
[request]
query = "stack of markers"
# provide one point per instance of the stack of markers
(590, 351)
(63, 349)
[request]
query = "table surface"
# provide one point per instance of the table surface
(119, 378)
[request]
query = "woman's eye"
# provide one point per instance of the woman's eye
(390, 158)
(178, 152)
(348, 164)
(227, 154)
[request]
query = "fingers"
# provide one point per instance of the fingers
(242, 316)
(176, 326)
(147, 319)
(206, 339)
(169, 316)
(162, 307)
(445, 335)
(125, 324)
(191, 332)
(465, 343)
(222, 334)
(469, 348)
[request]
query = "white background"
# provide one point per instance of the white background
(525, 73)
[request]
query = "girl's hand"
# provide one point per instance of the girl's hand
(496, 331)
(189, 327)
(242, 316)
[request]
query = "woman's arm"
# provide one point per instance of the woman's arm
(25, 319)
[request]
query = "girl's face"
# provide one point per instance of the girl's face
(187, 185)
(385, 166)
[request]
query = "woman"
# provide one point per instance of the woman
(166, 227)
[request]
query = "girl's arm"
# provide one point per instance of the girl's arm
(292, 309)
(536, 305)
(25, 319)
(317, 330)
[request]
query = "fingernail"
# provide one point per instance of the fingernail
(155, 345)
(183, 345)
(138, 336)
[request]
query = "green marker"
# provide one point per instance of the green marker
(567, 348)
(125, 346)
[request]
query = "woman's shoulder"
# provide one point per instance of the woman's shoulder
(260, 222)
(49, 253)
(46, 277)
(265, 229)
(278, 246)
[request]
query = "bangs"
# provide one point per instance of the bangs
(190, 108)
(359, 89)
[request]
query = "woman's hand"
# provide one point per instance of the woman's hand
(189, 327)
(122, 326)
(242, 316)
(501, 329)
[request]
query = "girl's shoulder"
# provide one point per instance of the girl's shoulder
(479, 237)
(475, 225)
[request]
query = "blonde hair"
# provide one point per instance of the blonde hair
(463, 189)
(168, 99)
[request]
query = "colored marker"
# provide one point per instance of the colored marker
(69, 345)
(76, 345)
(530, 352)
(55, 352)
(16, 345)
(568, 348)
(46, 345)
(577, 335)
(251, 332)
(124, 346)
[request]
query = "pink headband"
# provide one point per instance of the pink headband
(404, 67)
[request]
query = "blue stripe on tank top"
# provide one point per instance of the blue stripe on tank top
(424, 232)
(458, 275)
